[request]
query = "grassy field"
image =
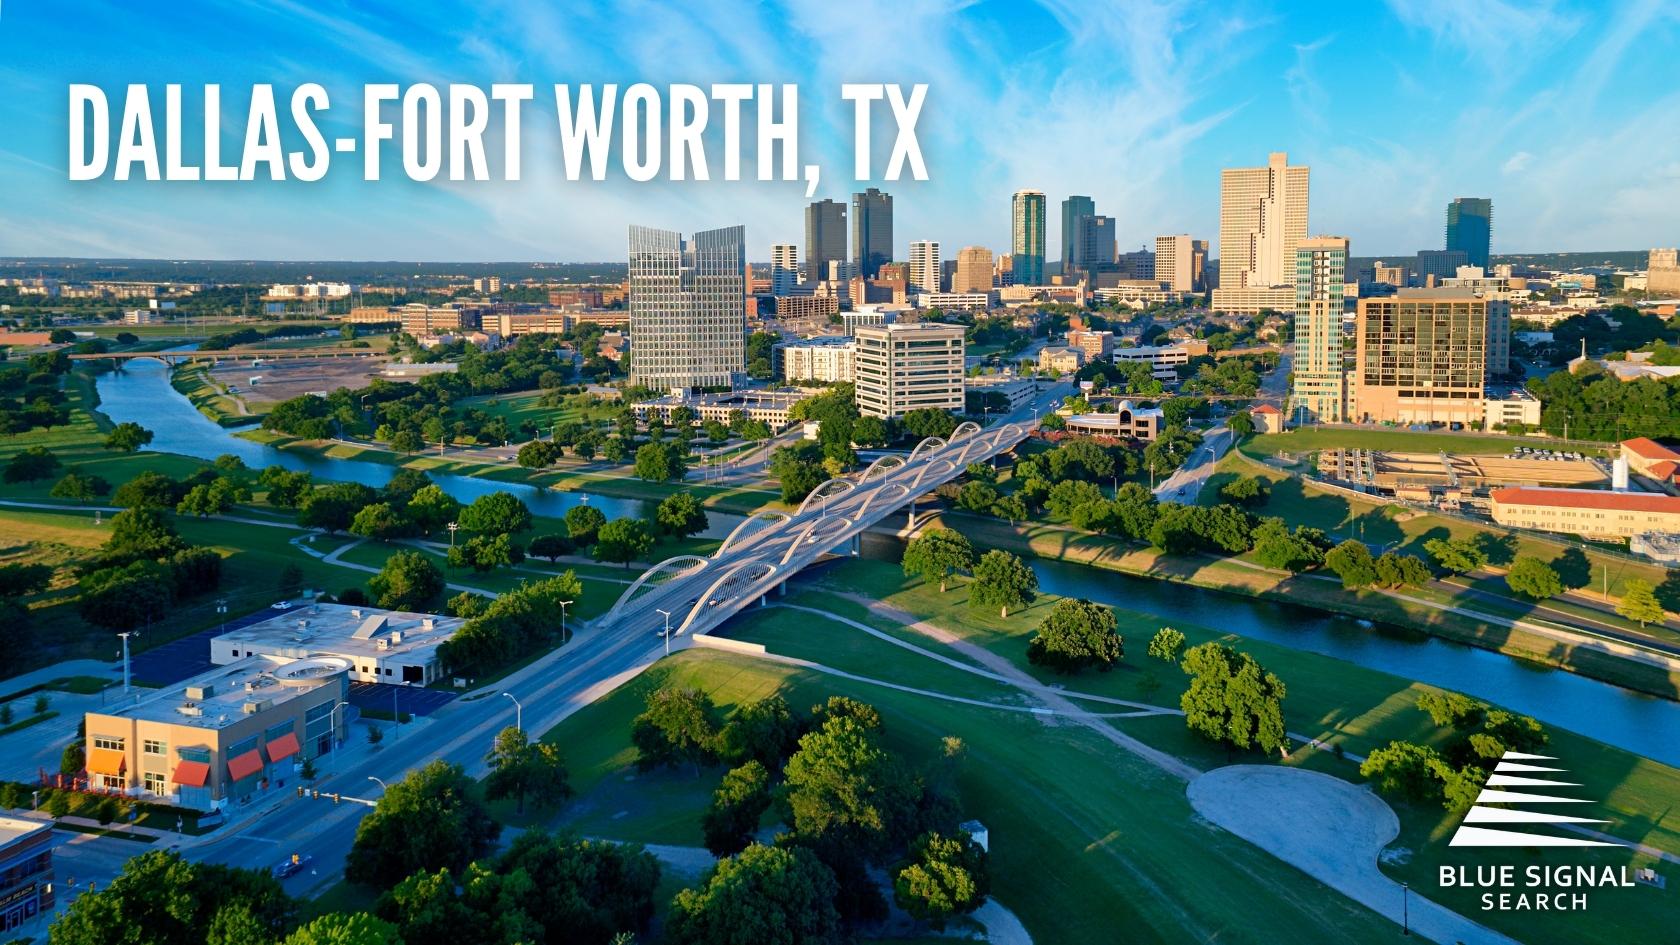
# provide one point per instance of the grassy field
(1084, 834)
(527, 406)
(1311, 439)
(194, 382)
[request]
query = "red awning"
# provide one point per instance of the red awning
(191, 773)
(243, 766)
(283, 747)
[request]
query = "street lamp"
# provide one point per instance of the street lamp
(518, 712)
(1405, 909)
(382, 786)
(125, 635)
(667, 614)
(334, 714)
(452, 526)
(563, 605)
(221, 610)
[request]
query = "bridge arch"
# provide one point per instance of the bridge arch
(938, 443)
(950, 467)
(883, 466)
(901, 491)
(965, 428)
(727, 589)
(805, 534)
(756, 523)
(677, 567)
(828, 490)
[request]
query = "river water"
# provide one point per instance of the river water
(1642, 724)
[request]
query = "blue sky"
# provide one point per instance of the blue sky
(1566, 114)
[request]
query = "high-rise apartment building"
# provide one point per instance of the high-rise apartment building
(1470, 228)
(1093, 245)
(974, 270)
(825, 237)
(1320, 388)
(1262, 217)
(784, 268)
(872, 231)
(924, 267)
(1181, 263)
(1421, 357)
(1074, 209)
(1440, 263)
(687, 317)
(909, 367)
(1027, 236)
(1662, 272)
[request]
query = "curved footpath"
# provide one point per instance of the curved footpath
(1331, 830)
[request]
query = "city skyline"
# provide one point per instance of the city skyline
(1201, 91)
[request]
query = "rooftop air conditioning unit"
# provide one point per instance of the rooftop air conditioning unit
(190, 709)
(382, 645)
(356, 612)
(396, 637)
(427, 623)
(200, 693)
(258, 705)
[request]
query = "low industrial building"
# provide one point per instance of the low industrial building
(1454, 479)
(226, 735)
(1128, 420)
(1589, 513)
(382, 646)
(772, 407)
(26, 871)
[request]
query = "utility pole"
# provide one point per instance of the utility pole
(667, 614)
(126, 680)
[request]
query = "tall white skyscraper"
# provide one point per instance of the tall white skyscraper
(688, 307)
(1262, 218)
(784, 268)
(1320, 391)
(1181, 263)
(924, 266)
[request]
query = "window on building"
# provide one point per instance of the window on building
(200, 755)
(109, 742)
(156, 783)
(277, 731)
(152, 746)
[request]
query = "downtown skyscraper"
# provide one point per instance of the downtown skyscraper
(688, 307)
(1027, 236)
(825, 237)
(1470, 228)
(1320, 391)
(1074, 209)
(924, 266)
(1262, 217)
(872, 231)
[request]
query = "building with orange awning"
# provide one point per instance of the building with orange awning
(225, 735)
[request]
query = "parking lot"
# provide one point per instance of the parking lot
(187, 657)
(410, 699)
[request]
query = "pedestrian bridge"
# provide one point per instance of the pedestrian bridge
(696, 594)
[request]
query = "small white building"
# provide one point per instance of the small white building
(385, 646)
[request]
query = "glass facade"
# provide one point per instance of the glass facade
(688, 318)
(1027, 237)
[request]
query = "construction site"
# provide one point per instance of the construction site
(1448, 480)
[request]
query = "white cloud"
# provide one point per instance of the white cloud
(1517, 163)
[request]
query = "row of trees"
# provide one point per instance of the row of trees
(1453, 775)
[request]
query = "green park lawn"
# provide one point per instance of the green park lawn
(527, 406)
(193, 381)
(1304, 440)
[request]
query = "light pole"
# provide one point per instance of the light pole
(563, 605)
(452, 526)
(334, 714)
(221, 611)
(381, 784)
(518, 712)
(667, 614)
(125, 635)
(1405, 909)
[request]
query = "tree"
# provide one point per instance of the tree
(36, 462)
(738, 803)
(769, 895)
(1639, 602)
(1404, 770)
(928, 421)
(431, 819)
(127, 437)
(1458, 555)
(84, 488)
(431, 509)
(1248, 491)
(679, 726)
(380, 521)
(125, 597)
(1533, 578)
(1011, 507)
(496, 513)
(1077, 634)
(944, 877)
(338, 928)
(1276, 547)
(407, 581)
(582, 522)
(1452, 708)
(407, 441)
(1241, 424)
(765, 731)
(681, 515)
(622, 541)
(72, 761)
(286, 489)
(1166, 644)
(976, 496)
(521, 768)
(1398, 570)
(661, 462)
(936, 555)
(291, 580)
(486, 553)
(798, 468)
(1232, 699)
(1002, 580)
(140, 533)
(16, 580)
(332, 508)
(552, 547)
(537, 454)
(843, 790)
(160, 898)
(1352, 562)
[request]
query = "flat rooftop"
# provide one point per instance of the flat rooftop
(218, 698)
(13, 829)
(343, 630)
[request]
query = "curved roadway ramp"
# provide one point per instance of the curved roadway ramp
(1332, 831)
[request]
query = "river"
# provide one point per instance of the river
(1642, 724)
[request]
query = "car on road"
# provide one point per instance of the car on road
(292, 866)
(280, 605)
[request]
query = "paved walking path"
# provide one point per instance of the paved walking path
(1331, 830)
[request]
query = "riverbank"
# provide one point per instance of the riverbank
(192, 380)
(1235, 576)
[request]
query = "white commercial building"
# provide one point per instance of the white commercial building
(924, 267)
(956, 301)
(784, 268)
(386, 646)
(909, 367)
(830, 360)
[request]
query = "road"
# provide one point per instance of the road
(1185, 484)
